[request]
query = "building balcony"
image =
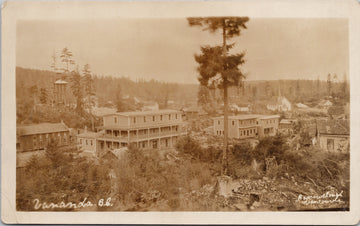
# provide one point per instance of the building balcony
(133, 137)
(140, 126)
(113, 138)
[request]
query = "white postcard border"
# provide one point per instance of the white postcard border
(13, 11)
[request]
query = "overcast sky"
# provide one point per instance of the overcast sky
(163, 49)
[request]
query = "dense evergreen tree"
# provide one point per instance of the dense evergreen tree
(67, 58)
(77, 90)
(217, 66)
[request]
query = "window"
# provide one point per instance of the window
(241, 132)
(233, 123)
(91, 142)
(247, 132)
(169, 117)
(144, 118)
(65, 138)
(218, 122)
(154, 118)
(175, 116)
(330, 144)
(134, 119)
(80, 141)
(160, 117)
(115, 120)
(86, 141)
(34, 141)
(40, 140)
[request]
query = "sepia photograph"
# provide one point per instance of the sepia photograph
(228, 113)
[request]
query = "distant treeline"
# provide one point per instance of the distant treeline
(30, 82)
(294, 89)
(109, 88)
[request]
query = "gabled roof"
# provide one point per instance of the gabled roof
(41, 128)
(300, 105)
(334, 127)
(325, 103)
(277, 100)
(61, 82)
(191, 109)
(118, 153)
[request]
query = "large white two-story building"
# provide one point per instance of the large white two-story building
(248, 126)
(146, 129)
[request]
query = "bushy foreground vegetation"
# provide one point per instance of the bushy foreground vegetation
(60, 175)
(182, 180)
(140, 180)
(273, 159)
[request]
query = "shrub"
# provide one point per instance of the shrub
(58, 177)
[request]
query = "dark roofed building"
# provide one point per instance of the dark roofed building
(37, 136)
(333, 135)
(190, 113)
(286, 126)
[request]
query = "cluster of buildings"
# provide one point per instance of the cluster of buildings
(160, 129)
(145, 130)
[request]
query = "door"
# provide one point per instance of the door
(155, 144)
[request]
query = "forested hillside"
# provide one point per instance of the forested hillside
(34, 87)
(107, 87)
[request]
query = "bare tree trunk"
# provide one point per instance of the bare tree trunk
(225, 151)
(226, 130)
(91, 115)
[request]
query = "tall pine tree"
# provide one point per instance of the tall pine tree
(216, 66)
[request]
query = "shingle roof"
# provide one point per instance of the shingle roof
(240, 117)
(137, 113)
(41, 128)
(336, 127)
(61, 82)
(244, 117)
(269, 116)
(285, 121)
(89, 135)
(191, 109)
